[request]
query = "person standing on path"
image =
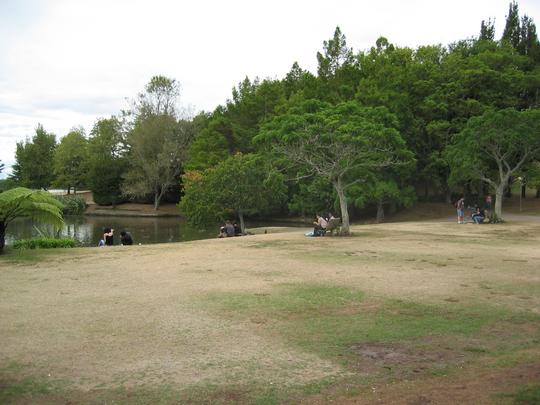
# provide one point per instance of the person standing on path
(460, 207)
(488, 205)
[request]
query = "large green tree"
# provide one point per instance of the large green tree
(494, 147)
(158, 141)
(70, 160)
(158, 149)
(242, 184)
(230, 129)
(106, 161)
(342, 144)
(34, 160)
(22, 202)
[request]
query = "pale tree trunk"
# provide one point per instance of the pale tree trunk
(340, 190)
(158, 195)
(499, 194)
(380, 212)
(241, 218)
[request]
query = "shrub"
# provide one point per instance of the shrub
(45, 243)
(73, 204)
(107, 199)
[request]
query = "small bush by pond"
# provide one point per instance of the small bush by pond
(73, 204)
(45, 243)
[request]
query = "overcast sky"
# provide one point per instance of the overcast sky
(65, 63)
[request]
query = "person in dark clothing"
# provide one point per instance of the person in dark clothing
(226, 230)
(229, 228)
(478, 216)
(125, 238)
(237, 230)
(108, 236)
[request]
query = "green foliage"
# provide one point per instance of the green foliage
(432, 91)
(73, 204)
(158, 142)
(243, 184)
(7, 184)
(495, 146)
(342, 144)
(231, 129)
(70, 160)
(158, 149)
(34, 160)
(316, 196)
(106, 162)
(22, 202)
(45, 243)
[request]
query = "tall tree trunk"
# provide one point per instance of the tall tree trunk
(2, 237)
(523, 190)
(241, 218)
(537, 192)
(68, 190)
(157, 199)
(499, 194)
(380, 212)
(340, 190)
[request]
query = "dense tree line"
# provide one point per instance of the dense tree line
(376, 128)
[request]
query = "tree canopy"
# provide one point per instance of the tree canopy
(34, 160)
(495, 146)
(370, 129)
(342, 144)
(70, 157)
(241, 185)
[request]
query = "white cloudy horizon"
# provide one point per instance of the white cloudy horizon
(66, 63)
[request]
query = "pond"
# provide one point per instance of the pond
(89, 229)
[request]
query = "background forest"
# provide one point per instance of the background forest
(370, 132)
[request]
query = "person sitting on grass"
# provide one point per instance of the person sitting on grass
(320, 226)
(227, 230)
(478, 215)
(125, 238)
(108, 236)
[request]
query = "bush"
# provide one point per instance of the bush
(45, 243)
(73, 204)
(107, 199)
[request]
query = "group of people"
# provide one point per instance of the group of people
(230, 229)
(108, 238)
(478, 215)
(321, 223)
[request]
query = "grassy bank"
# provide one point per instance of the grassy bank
(398, 313)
